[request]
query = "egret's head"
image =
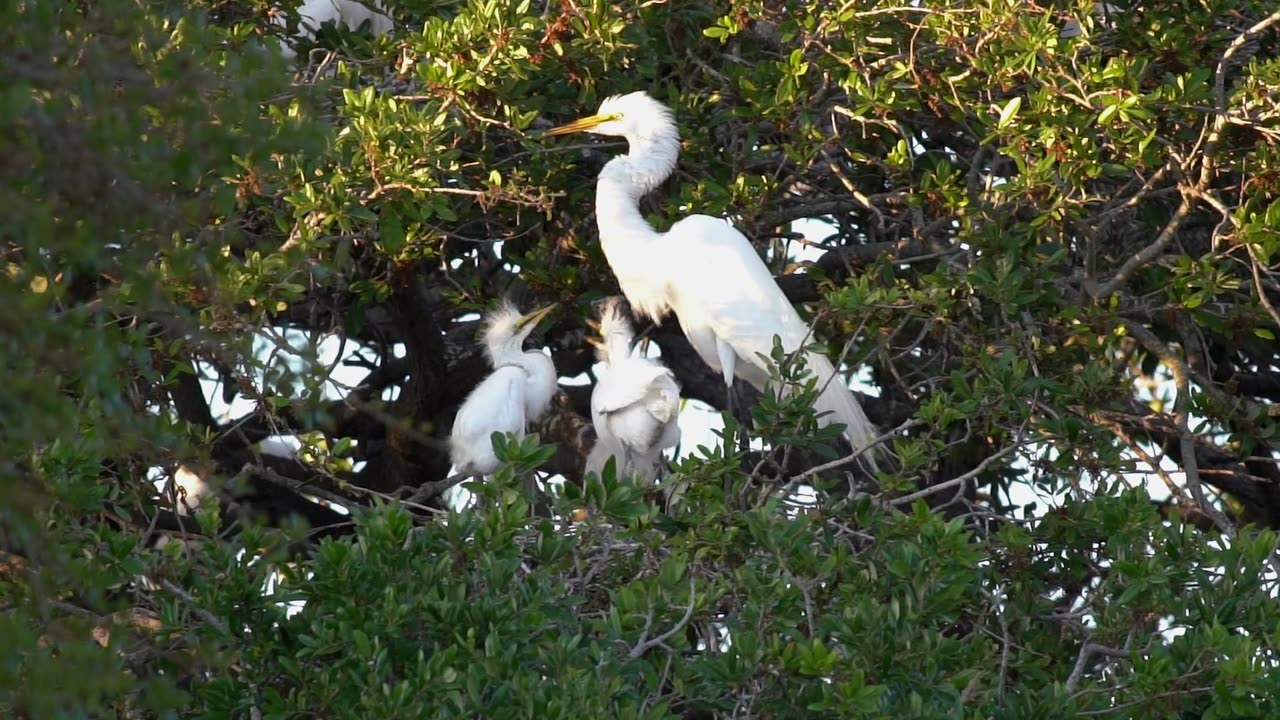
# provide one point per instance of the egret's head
(615, 318)
(506, 329)
(633, 116)
(616, 333)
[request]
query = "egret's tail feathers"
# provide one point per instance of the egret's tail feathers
(840, 406)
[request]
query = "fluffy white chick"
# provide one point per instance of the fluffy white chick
(517, 392)
(634, 404)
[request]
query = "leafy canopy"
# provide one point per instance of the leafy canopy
(1050, 248)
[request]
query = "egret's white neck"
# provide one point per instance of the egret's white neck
(617, 346)
(624, 233)
(504, 354)
(651, 159)
(627, 178)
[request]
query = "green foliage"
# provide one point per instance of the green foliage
(1038, 236)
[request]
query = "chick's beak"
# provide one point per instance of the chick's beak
(582, 124)
(535, 317)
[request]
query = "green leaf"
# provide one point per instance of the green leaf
(1009, 112)
(391, 232)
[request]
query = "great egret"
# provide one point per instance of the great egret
(345, 13)
(706, 271)
(516, 393)
(634, 404)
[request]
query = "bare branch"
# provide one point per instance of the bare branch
(1087, 651)
(956, 481)
(853, 456)
(645, 644)
(209, 618)
(1147, 254)
(1181, 377)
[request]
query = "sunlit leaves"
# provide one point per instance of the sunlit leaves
(193, 196)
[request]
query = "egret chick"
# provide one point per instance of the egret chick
(703, 269)
(516, 393)
(634, 404)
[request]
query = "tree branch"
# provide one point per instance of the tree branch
(956, 481)
(1181, 377)
(1145, 255)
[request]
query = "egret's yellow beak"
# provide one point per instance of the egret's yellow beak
(534, 317)
(583, 124)
(595, 340)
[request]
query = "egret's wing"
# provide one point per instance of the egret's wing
(632, 404)
(496, 405)
(723, 289)
(346, 13)
(540, 384)
(662, 400)
(723, 285)
(630, 383)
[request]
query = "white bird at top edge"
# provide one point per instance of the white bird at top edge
(345, 13)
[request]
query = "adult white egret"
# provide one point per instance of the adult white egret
(706, 271)
(516, 393)
(634, 404)
(345, 13)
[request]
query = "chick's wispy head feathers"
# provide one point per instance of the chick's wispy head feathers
(502, 333)
(615, 319)
(616, 332)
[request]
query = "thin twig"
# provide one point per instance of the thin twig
(1171, 693)
(853, 456)
(1174, 489)
(645, 645)
(433, 489)
(1146, 254)
(297, 486)
(426, 189)
(1182, 404)
(1257, 283)
(956, 481)
(1220, 95)
(209, 618)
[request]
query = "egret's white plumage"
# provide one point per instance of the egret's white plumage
(703, 269)
(634, 403)
(348, 14)
(516, 393)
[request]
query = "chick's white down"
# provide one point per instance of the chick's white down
(516, 393)
(634, 404)
(703, 269)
